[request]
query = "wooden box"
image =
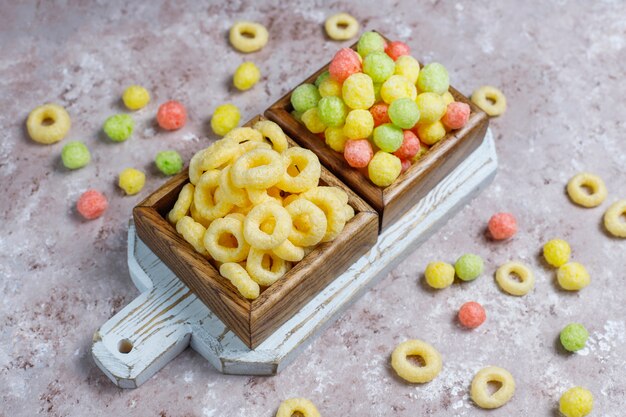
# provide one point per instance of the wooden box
(393, 201)
(254, 320)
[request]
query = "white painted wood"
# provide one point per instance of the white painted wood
(167, 317)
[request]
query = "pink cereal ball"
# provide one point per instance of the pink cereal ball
(502, 226)
(358, 153)
(472, 315)
(380, 114)
(396, 49)
(171, 115)
(91, 204)
(410, 146)
(406, 164)
(457, 114)
(345, 63)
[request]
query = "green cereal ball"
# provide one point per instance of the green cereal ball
(321, 78)
(75, 155)
(169, 162)
(119, 127)
(378, 66)
(370, 42)
(468, 267)
(404, 113)
(433, 78)
(574, 337)
(332, 111)
(388, 137)
(305, 97)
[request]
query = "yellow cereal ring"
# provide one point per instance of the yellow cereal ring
(192, 232)
(577, 193)
(264, 267)
(259, 168)
(325, 199)
(232, 194)
(261, 195)
(193, 211)
(290, 199)
(308, 169)
(272, 132)
(216, 156)
(248, 36)
(239, 277)
(242, 210)
(612, 219)
(182, 205)
(248, 146)
(239, 216)
(348, 212)
(243, 134)
(480, 389)
(48, 124)
(410, 372)
(289, 252)
(341, 27)
(261, 213)
(490, 100)
(513, 287)
(205, 197)
(297, 405)
(224, 240)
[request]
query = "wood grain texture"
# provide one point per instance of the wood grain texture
(412, 185)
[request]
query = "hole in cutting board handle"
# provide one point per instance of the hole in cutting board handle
(125, 346)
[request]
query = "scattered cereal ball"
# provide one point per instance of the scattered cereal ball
(397, 87)
(305, 97)
(431, 107)
(433, 78)
(225, 118)
(332, 111)
(323, 76)
(408, 67)
(330, 87)
(468, 267)
(556, 252)
(388, 137)
(384, 168)
(576, 402)
(358, 153)
(380, 113)
(456, 116)
(345, 63)
(574, 337)
(246, 75)
(471, 315)
(370, 42)
(358, 91)
(169, 162)
(447, 97)
(91, 204)
(75, 155)
(312, 121)
(396, 49)
(171, 115)
(335, 138)
(341, 27)
(431, 133)
(359, 124)
(404, 113)
(502, 226)
(131, 180)
(572, 276)
(119, 127)
(410, 146)
(439, 274)
(135, 97)
(378, 66)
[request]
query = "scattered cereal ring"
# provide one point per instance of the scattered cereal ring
(224, 240)
(131, 180)
(258, 168)
(326, 199)
(259, 239)
(272, 132)
(297, 405)
(264, 267)
(574, 337)
(135, 97)
(471, 315)
(577, 193)
(239, 277)
(341, 27)
(456, 116)
(384, 169)
(359, 124)
(91, 204)
(75, 155)
(48, 124)
(480, 392)
(370, 42)
(358, 91)
(576, 402)
(308, 170)
(526, 278)
(192, 232)
(439, 274)
(433, 78)
(345, 63)
(556, 252)
(225, 118)
(572, 276)
(490, 100)
(182, 205)
(309, 222)
(305, 97)
(205, 197)
(171, 115)
(246, 76)
(612, 219)
(410, 372)
(468, 267)
(248, 36)
(502, 226)
(358, 153)
(119, 127)
(169, 162)
(396, 49)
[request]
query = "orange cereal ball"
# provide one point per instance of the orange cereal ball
(91, 204)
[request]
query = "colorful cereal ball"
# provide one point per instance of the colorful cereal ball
(433, 78)
(396, 49)
(312, 121)
(246, 76)
(305, 97)
(431, 107)
(556, 252)
(119, 127)
(378, 66)
(169, 162)
(404, 113)
(225, 118)
(131, 180)
(335, 138)
(576, 402)
(345, 63)
(171, 115)
(359, 124)
(468, 267)
(408, 67)
(406, 164)
(358, 153)
(472, 315)
(322, 77)
(384, 169)
(439, 274)
(370, 42)
(457, 115)
(380, 114)
(430, 133)
(358, 91)
(573, 276)
(91, 204)
(410, 146)
(502, 226)
(330, 87)
(574, 337)
(447, 97)
(397, 87)
(388, 137)
(135, 97)
(332, 111)
(75, 155)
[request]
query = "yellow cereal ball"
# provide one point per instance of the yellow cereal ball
(431, 133)
(358, 91)
(335, 138)
(359, 124)
(330, 87)
(408, 67)
(447, 97)
(432, 107)
(439, 274)
(131, 180)
(384, 168)
(225, 118)
(312, 121)
(246, 75)
(135, 97)
(556, 252)
(397, 86)
(576, 402)
(573, 276)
